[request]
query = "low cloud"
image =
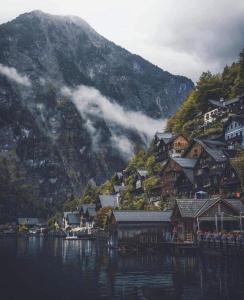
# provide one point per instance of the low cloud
(90, 102)
(12, 74)
(123, 144)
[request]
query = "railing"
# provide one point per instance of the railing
(221, 241)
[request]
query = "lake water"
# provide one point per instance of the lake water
(37, 268)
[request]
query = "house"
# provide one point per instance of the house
(88, 213)
(140, 176)
(162, 143)
(117, 189)
(230, 185)
(213, 214)
(211, 162)
(234, 130)
(210, 116)
(29, 222)
(138, 227)
(118, 176)
(109, 201)
(71, 219)
(169, 145)
(175, 168)
(235, 105)
(178, 145)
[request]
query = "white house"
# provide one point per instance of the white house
(234, 129)
(210, 116)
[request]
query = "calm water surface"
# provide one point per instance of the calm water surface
(37, 268)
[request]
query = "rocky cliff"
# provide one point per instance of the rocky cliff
(50, 145)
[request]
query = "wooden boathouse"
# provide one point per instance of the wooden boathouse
(207, 215)
(138, 228)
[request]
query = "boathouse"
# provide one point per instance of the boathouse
(208, 215)
(133, 228)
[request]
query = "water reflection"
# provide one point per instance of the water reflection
(57, 269)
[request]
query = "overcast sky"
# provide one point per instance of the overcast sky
(184, 37)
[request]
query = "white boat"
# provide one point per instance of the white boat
(71, 238)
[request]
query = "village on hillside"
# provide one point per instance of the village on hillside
(183, 190)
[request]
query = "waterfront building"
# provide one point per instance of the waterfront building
(138, 227)
(71, 219)
(30, 222)
(87, 215)
(214, 214)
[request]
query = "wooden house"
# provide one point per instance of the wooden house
(173, 170)
(211, 163)
(138, 227)
(230, 185)
(178, 146)
(162, 143)
(208, 215)
(169, 145)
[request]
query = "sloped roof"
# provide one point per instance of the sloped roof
(225, 102)
(185, 162)
(142, 173)
(189, 207)
(164, 136)
(28, 221)
(118, 188)
(91, 211)
(119, 175)
(189, 174)
(214, 149)
(86, 207)
(142, 216)
(73, 218)
(108, 200)
(237, 118)
(208, 203)
(66, 213)
(237, 204)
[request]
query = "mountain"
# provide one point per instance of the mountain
(50, 147)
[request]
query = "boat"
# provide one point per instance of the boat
(71, 238)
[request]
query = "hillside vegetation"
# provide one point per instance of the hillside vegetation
(227, 85)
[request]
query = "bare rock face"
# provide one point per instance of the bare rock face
(45, 143)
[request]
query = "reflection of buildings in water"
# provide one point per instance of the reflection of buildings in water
(207, 275)
(136, 275)
(222, 274)
(30, 246)
(80, 252)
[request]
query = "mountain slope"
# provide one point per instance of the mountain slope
(55, 148)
